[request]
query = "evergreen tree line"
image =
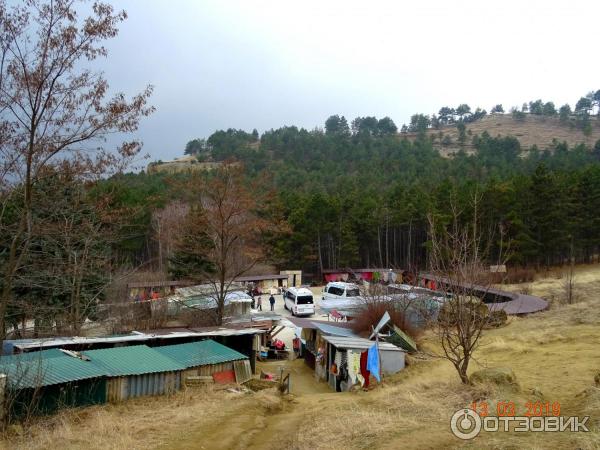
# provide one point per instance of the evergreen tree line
(359, 194)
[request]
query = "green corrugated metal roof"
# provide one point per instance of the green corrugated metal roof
(30, 356)
(200, 353)
(47, 368)
(134, 360)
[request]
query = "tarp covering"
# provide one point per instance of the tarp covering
(402, 340)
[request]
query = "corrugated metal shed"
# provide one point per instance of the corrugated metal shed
(121, 388)
(48, 368)
(335, 331)
(134, 360)
(200, 353)
(39, 344)
(359, 343)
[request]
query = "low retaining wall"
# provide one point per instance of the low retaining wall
(512, 302)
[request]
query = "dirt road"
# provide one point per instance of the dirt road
(264, 422)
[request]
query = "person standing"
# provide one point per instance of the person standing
(272, 302)
(259, 303)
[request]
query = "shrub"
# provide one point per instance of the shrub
(519, 116)
(497, 318)
(499, 376)
(519, 275)
(372, 313)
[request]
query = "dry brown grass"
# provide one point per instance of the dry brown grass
(136, 424)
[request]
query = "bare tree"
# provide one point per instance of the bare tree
(569, 278)
(569, 283)
(53, 110)
(166, 223)
(456, 260)
(226, 230)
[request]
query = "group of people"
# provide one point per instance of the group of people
(257, 302)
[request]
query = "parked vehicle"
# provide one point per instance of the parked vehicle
(299, 301)
(340, 295)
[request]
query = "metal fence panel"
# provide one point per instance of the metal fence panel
(163, 383)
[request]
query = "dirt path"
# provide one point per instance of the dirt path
(262, 420)
(302, 378)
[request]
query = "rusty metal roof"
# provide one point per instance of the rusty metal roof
(347, 270)
(159, 283)
(262, 277)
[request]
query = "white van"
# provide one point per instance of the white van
(340, 295)
(299, 301)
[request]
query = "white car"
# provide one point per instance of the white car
(340, 295)
(299, 301)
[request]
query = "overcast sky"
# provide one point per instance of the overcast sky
(258, 64)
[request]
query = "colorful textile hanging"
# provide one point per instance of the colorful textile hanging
(373, 361)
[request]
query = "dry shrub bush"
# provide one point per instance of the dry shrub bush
(127, 316)
(516, 275)
(589, 399)
(372, 313)
(270, 401)
(526, 289)
(497, 319)
(513, 275)
(502, 345)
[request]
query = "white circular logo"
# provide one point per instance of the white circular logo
(465, 424)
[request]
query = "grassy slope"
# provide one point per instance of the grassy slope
(556, 353)
(534, 130)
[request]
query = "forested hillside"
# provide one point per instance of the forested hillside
(360, 194)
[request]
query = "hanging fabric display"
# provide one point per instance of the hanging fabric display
(338, 358)
(373, 361)
(363, 369)
(351, 373)
(356, 367)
